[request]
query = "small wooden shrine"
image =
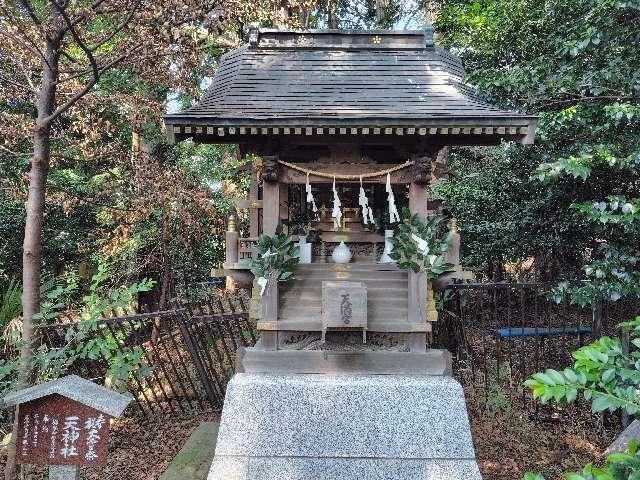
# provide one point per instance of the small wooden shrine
(337, 109)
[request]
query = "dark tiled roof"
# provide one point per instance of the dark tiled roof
(342, 78)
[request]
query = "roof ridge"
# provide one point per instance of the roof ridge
(341, 39)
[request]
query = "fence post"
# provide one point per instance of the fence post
(195, 357)
(596, 313)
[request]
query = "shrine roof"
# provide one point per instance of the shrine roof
(77, 389)
(349, 81)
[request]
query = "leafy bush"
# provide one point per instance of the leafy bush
(417, 246)
(602, 372)
(10, 303)
(274, 257)
(84, 340)
(609, 277)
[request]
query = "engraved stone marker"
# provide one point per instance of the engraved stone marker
(344, 307)
(65, 423)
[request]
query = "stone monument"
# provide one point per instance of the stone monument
(64, 423)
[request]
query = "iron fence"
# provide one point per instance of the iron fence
(187, 353)
(500, 334)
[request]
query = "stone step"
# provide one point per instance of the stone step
(315, 290)
(375, 324)
(194, 459)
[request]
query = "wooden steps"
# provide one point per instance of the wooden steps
(300, 301)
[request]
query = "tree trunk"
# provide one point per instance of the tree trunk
(596, 313)
(166, 274)
(32, 246)
(381, 6)
(332, 14)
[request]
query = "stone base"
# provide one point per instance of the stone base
(301, 427)
(342, 469)
(256, 360)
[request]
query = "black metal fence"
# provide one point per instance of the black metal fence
(188, 353)
(500, 334)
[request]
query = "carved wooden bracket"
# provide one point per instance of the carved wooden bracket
(421, 170)
(441, 163)
(270, 168)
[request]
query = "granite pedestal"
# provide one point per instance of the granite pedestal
(330, 427)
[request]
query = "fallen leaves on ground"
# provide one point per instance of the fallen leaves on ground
(518, 437)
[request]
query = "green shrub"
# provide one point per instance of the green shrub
(602, 372)
(10, 303)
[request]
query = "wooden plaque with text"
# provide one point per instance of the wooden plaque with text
(55, 430)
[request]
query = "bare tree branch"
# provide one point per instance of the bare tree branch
(119, 28)
(22, 43)
(21, 86)
(76, 36)
(68, 57)
(31, 12)
(78, 74)
(16, 21)
(25, 72)
(94, 7)
(14, 153)
(89, 85)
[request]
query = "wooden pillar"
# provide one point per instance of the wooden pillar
(283, 213)
(254, 209)
(270, 207)
(269, 317)
(418, 196)
(270, 219)
(270, 194)
(417, 297)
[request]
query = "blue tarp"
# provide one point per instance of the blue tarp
(539, 331)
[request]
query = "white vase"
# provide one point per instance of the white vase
(388, 248)
(305, 251)
(341, 254)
